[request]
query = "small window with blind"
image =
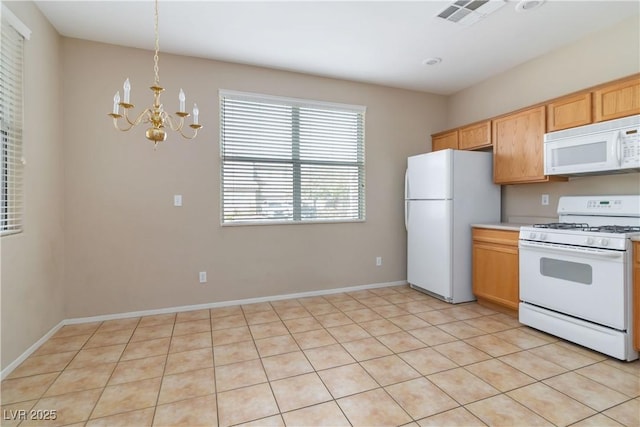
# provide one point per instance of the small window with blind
(290, 160)
(13, 34)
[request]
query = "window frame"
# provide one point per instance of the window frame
(12, 133)
(297, 208)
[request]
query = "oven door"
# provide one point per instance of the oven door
(582, 282)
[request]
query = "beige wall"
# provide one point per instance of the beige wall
(32, 261)
(129, 249)
(599, 58)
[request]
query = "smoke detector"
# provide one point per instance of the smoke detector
(467, 12)
(527, 5)
(432, 61)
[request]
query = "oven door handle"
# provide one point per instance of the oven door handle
(597, 253)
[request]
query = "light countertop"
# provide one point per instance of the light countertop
(510, 226)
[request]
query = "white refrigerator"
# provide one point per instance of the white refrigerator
(445, 192)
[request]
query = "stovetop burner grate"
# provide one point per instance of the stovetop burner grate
(613, 229)
(586, 227)
(562, 225)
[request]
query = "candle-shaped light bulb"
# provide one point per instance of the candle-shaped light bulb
(182, 98)
(116, 102)
(196, 112)
(127, 91)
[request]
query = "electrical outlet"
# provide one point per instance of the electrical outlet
(545, 199)
(203, 277)
(378, 261)
(177, 200)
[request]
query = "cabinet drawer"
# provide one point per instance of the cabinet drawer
(498, 237)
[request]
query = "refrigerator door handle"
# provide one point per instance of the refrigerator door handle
(406, 184)
(406, 201)
(406, 215)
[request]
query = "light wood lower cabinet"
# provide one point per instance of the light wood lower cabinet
(495, 267)
(636, 295)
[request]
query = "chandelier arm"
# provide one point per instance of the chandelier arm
(115, 125)
(138, 119)
(123, 129)
(175, 126)
(195, 132)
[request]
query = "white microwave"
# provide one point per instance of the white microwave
(601, 148)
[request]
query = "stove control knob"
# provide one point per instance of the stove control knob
(543, 236)
(532, 235)
(589, 241)
(604, 242)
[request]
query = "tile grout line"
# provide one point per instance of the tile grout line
(387, 317)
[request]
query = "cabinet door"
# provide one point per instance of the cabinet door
(518, 147)
(441, 141)
(617, 100)
(495, 267)
(475, 136)
(569, 112)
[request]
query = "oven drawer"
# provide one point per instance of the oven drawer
(605, 340)
(587, 284)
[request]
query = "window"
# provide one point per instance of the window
(290, 160)
(13, 33)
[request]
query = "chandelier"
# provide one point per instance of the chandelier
(154, 115)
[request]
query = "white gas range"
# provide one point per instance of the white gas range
(575, 275)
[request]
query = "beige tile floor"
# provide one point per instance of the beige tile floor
(389, 356)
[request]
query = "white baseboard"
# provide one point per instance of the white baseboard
(181, 308)
(77, 320)
(13, 365)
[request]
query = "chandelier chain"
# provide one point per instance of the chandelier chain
(157, 47)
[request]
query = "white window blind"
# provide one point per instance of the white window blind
(11, 56)
(290, 160)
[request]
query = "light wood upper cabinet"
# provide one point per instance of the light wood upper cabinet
(617, 100)
(496, 267)
(518, 138)
(568, 112)
(475, 136)
(518, 141)
(443, 140)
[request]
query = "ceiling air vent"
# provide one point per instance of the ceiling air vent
(467, 12)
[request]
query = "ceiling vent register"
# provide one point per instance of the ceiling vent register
(467, 12)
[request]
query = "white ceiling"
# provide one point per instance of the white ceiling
(380, 42)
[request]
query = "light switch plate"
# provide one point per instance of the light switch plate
(177, 200)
